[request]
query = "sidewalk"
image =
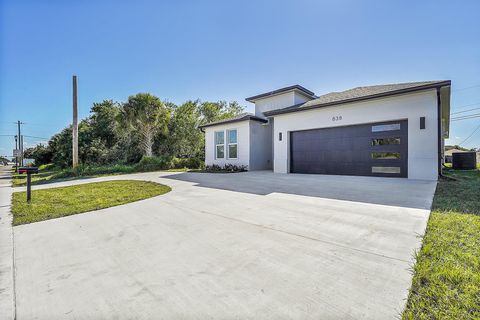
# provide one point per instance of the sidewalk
(7, 309)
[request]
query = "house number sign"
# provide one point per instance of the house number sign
(336, 118)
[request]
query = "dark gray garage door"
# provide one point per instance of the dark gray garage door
(377, 149)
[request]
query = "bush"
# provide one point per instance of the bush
(87, 170)
(191, 163)
(45, 167)
(155, 163)
(226, 168)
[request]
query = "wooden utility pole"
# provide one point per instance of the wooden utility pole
(75, 125)
(16, 156)
(20, 144)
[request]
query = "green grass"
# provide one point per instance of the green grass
(446, 282)
(49, 174)
(59, 202)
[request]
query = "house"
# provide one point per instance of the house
(393, 130)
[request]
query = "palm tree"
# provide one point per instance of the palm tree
(146, 114)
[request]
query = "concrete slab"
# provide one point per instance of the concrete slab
(249, 245)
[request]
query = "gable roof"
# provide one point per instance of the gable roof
(281, 90)
(241, 117)
(361, 93)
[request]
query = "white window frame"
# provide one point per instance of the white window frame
(219, 144)
(227, 135)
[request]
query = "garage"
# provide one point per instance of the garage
(375, 149)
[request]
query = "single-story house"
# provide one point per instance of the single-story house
(392, 130)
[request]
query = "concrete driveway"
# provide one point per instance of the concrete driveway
(253, 245)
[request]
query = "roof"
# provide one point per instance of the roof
(240, 117)
(451, 151)
(278, 91)
(361, 93)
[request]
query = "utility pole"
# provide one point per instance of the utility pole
(16, 156)
(20, 143)
(75, 125)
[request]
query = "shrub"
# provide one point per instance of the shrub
(226, 168)
(191, 163)
(45, 167)
(154, 163)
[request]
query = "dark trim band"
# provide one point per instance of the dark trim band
(369, 97)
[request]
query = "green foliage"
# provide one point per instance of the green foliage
(191, 163)
(50, 173)
(59, 202)
(226, 168)
(184, 138)
(154, 163)
(213, 111)
(146, 115)
(121, 133)
(446, 282)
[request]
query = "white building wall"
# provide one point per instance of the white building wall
(282, 100)
(278, 101)
(422, 144)
(300, 98)
(243, 138)
(260, 146)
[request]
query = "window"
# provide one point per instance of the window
(232, 144)
(386, 127)
(384, 141)
(385, 155)
(385, 169)
(219, 145)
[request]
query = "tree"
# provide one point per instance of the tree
(40, 153)
(147, 115)
(213, 111)
(185, 138)
(103, 121)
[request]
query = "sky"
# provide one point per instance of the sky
(226, 50)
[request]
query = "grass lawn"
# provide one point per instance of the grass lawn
(59, 202)
(446, 282)
(48, 174)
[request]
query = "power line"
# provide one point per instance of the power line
(40, 124)
(35, 137)
(478, 127)
(465, 111)
(467, 105)
(472, 116)
(466, 88)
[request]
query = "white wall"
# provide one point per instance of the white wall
(422, 144)
(283, 100)
(260, 146)
(278, 101)
(300, 98)
(243, 139)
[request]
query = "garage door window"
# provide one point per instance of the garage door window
(219, 145)
(232, 144)
(385, 169)
(385, 141)
(386, 127)
(385, 155)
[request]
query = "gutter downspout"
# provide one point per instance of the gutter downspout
(439, 133)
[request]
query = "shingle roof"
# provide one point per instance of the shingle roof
(240, 117)
(274, 92)
(361, 93)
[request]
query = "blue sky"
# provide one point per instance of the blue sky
(225, 50)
